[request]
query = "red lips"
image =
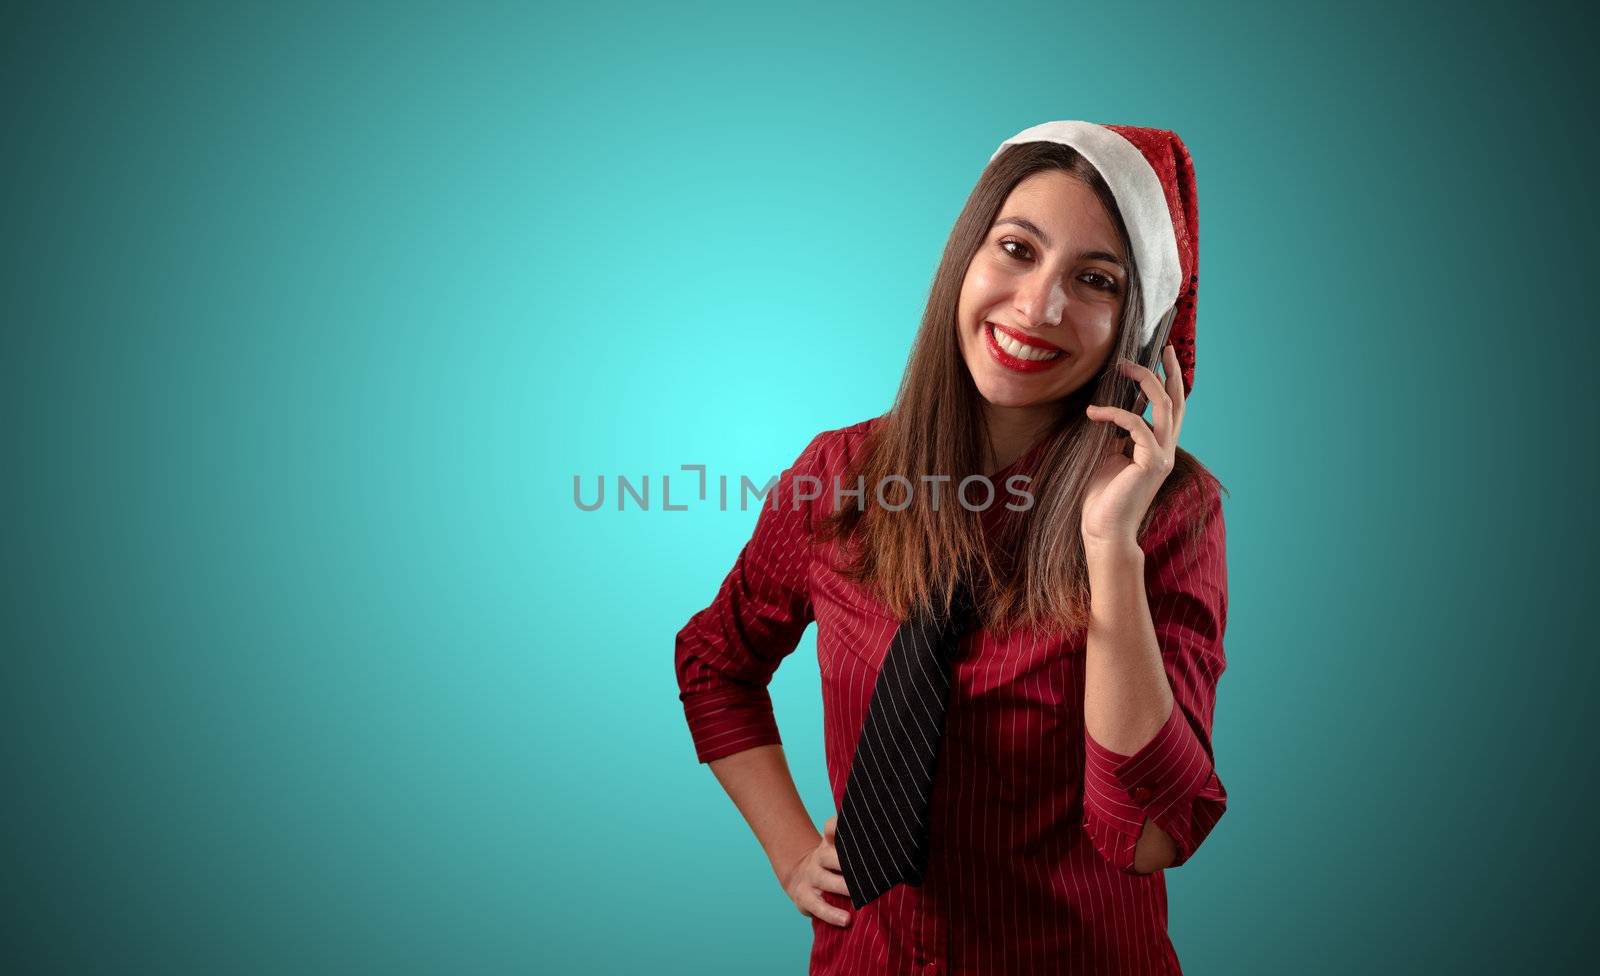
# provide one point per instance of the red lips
(1028, 340)
(1013, 363)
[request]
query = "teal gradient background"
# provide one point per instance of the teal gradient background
(312, 313)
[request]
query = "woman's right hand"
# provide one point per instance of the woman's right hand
(816, 872)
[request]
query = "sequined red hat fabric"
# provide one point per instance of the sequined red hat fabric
(1169, 157)
(1155, 190)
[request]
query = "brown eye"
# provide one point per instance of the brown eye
(1015, 243)
(1101, 281)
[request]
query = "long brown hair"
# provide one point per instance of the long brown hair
(1033, 572)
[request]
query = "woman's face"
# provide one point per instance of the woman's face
(1042, 297)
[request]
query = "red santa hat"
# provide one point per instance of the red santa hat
(1152, 178)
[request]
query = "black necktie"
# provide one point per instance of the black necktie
(882, 831)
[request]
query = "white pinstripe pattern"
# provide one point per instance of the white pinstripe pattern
(891, 777)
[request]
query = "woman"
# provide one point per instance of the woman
(1012, 812)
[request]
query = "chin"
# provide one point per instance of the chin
(1003, 387)
(1004, 398)
(1003, 392)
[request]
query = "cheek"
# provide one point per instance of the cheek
(1095, 326)
(979, 288)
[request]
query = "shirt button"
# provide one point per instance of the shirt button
(1141, 794)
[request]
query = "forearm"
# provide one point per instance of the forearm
(760, 784)
(1127, 695)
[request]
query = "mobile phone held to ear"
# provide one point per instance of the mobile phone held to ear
(1150, 358)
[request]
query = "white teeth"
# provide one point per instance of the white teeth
(1019, 350)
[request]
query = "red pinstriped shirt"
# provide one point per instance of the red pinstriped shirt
(1033, 824)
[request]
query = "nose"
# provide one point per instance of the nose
(1042, 299)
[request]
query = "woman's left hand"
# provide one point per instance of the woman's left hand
(1122, 488)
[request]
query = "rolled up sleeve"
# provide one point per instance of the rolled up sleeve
(727, 653)
(1172, 779)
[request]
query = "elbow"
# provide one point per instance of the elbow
(1155, 851)
(1144, 864)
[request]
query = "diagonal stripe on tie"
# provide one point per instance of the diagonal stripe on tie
(882, 831)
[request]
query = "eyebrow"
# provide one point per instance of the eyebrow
(1033, 229)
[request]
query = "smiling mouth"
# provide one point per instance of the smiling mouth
(1012, 352)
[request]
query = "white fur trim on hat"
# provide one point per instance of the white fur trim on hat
(1141, 199)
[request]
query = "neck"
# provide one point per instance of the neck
(1012, 430)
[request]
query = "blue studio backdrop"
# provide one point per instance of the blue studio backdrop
(312, 313)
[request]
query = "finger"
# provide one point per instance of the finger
(1160, 399)
(828, 857)
(1130, 422)
(819, 908)
(1169, 358)
(829, 881)
(829, 828)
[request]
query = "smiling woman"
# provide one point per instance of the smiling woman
(1042, 256)
(1017, 702)
(1041, 299)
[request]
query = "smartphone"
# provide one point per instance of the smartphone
(1150, 357)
